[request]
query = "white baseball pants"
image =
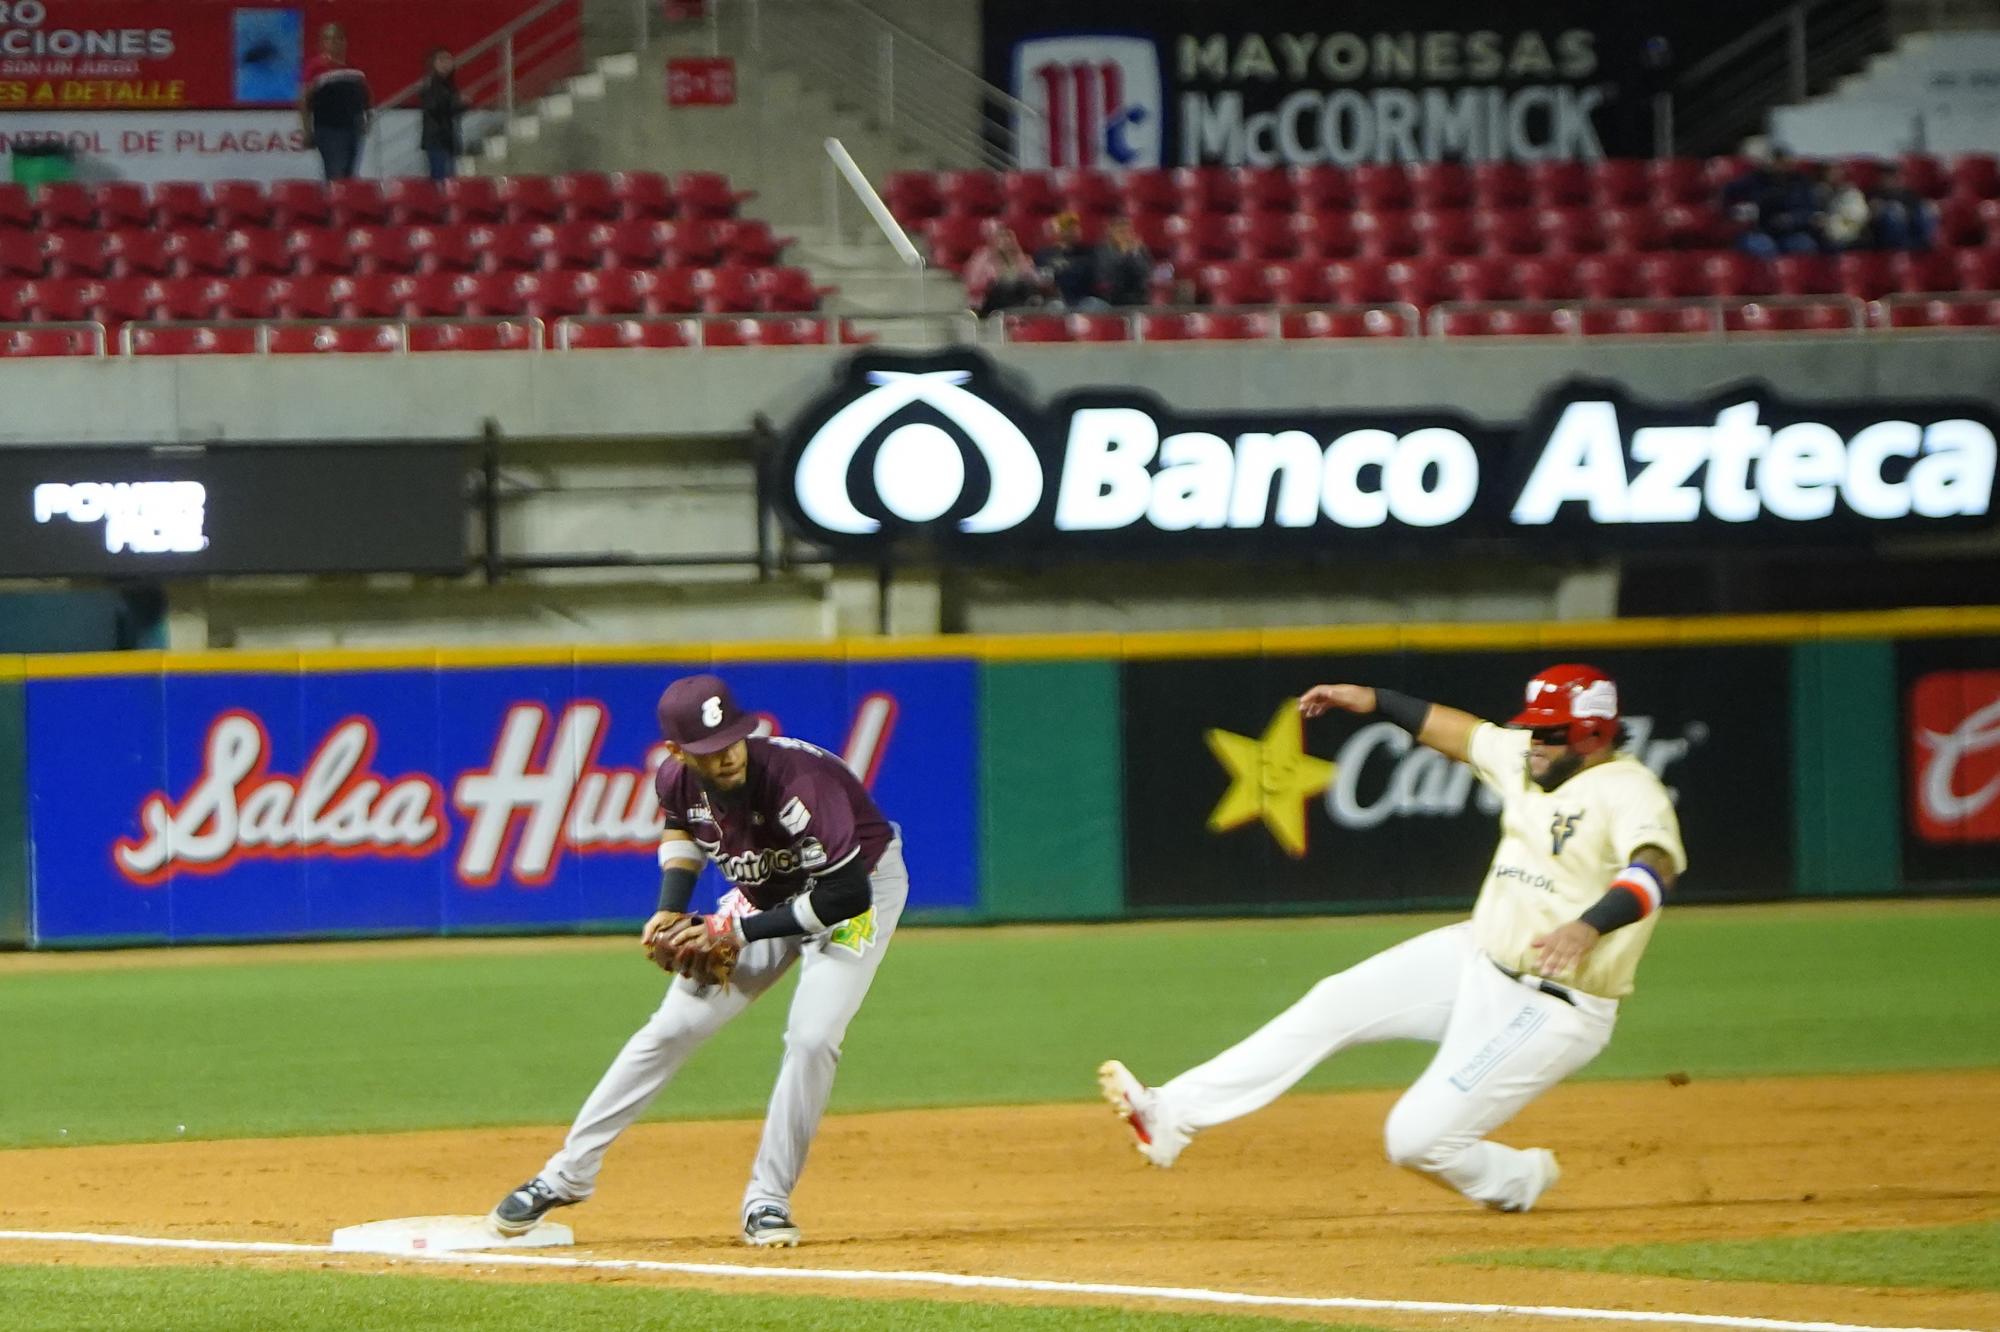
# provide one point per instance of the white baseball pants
(833, 980)
(1500, 1045)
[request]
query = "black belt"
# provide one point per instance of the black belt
(1547, 987)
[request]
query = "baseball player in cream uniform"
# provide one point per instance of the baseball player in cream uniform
(1516, 998)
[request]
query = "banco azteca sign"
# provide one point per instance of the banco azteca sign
(941, 446)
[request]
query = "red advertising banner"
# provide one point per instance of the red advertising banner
(1955, 756)
(701, 81)
(144, 55)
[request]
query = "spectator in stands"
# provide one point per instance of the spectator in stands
(1069, 266)
(334, 104)
(442, 110)
(1903, 218)
(1001, 276)
(1846, 218)
(1780, 203)
(1124, 268)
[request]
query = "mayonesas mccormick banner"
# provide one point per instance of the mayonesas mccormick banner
(1153, 83)
(269, 805)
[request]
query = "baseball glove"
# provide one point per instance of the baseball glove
(701, 948)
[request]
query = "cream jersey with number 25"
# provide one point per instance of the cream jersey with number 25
(1559, 851)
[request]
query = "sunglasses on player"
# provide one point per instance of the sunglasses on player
(1549, 735)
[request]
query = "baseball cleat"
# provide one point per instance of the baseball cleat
(769, 1226)
(1159, 1139)
(1544, 1173)
(523, 1209)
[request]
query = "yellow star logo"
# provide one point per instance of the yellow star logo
(1271, 777)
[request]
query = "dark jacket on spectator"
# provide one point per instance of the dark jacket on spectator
(1123, 275)
(1072, 271)
(442, 107)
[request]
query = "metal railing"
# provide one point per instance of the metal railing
(1567, 318)
(505, 69)
(895, 80)
(263, 332)
(1799, 52)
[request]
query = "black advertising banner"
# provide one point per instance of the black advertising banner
(1168, 83)
(189, 511)
(1233, 803)
(1949, 736)
(946, 448)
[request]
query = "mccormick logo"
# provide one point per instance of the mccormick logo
(1955, 756)
(1093, 102)
(541, 792)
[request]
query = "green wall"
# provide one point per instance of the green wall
(1847, 788)
(1052, 835)
(13, 808)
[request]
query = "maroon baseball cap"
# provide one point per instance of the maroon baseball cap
(699, 714)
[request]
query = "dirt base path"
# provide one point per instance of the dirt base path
(1295, 1200)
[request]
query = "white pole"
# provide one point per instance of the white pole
(898, 238)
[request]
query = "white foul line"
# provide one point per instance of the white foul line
(1189, 1295)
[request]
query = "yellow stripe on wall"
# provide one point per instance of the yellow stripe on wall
(1350, 639)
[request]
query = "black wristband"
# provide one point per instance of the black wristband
(839, 895)
(1406, 712)
(676, 887)
(1614, 911)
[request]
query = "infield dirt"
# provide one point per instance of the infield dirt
(1295, 1200)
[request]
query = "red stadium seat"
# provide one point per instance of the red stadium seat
(64, 204)
(788, 290)
(1420, 282)
(1386, 234)
(122, 300)
(1763, 317)
(1265, 190)
(1030, 192)
(730, 290)
(121, 203)
(1207, 189)
(1512, 321)
(1507, 231)
(1324, 324)
(1089, 193)
(335, 338)
(552, 294)
(300, 203)
(52, 342)
(17, 210)
(473, 335)
(1560, 184)
(204, 252)
(14, 297)
(1978, 270)
(751, 242)
(1200, 238)
(1099, 328)
(1035, 328)
(1261, 235)
(1327, 235)
(1167, 328)
(643, 195)
(1733, 273)
(238, 203)
(1148, 191)
(506, 248)
(571, 245)
(1864, 274)
(912, 196)
(1502, 185)
(708, 194)
(1441, 185)
(1447, 231)
(140, 254)
(621, 244)
(1609, 277)
(443, 249)
(1461, 321)
(359, 202)
(587, 196)
(670, 291)
(193, 340)
(1559, 278)
(1297, 281)
(1569, 230)
(1632, 229)
(182, 204)
(314, 250)
(248, 298)
(1671, 275)
(1382, 187)
(185, 298)
(1975, 176)
(313, 296)
(1923, 271)
(581, 334)
(20, 256)
(429, 295)
(1803, 275)
(766, 332)
(474, 200)
(76, 254)
(1233, 282)
(488, 295)
(382, 250)
(1680, 180)
(1959, 221)
(1321, 188)
(529, 199)
(1695, 227)
(1360, 281)
(375, 296)
(1489, 279)
(954, 238)
(415, 201)
(694, 240)
(1620, 182)
(1924, 174)
(62, 300)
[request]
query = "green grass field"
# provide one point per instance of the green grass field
(131, 1052)
(255, 1045)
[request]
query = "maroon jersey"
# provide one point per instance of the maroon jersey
(799, 813)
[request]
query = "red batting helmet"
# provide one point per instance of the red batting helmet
(1582, 698)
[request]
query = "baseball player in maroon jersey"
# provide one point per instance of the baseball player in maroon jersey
(1517, 998)
(817, 878)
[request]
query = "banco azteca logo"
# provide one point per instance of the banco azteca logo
(913, 442)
